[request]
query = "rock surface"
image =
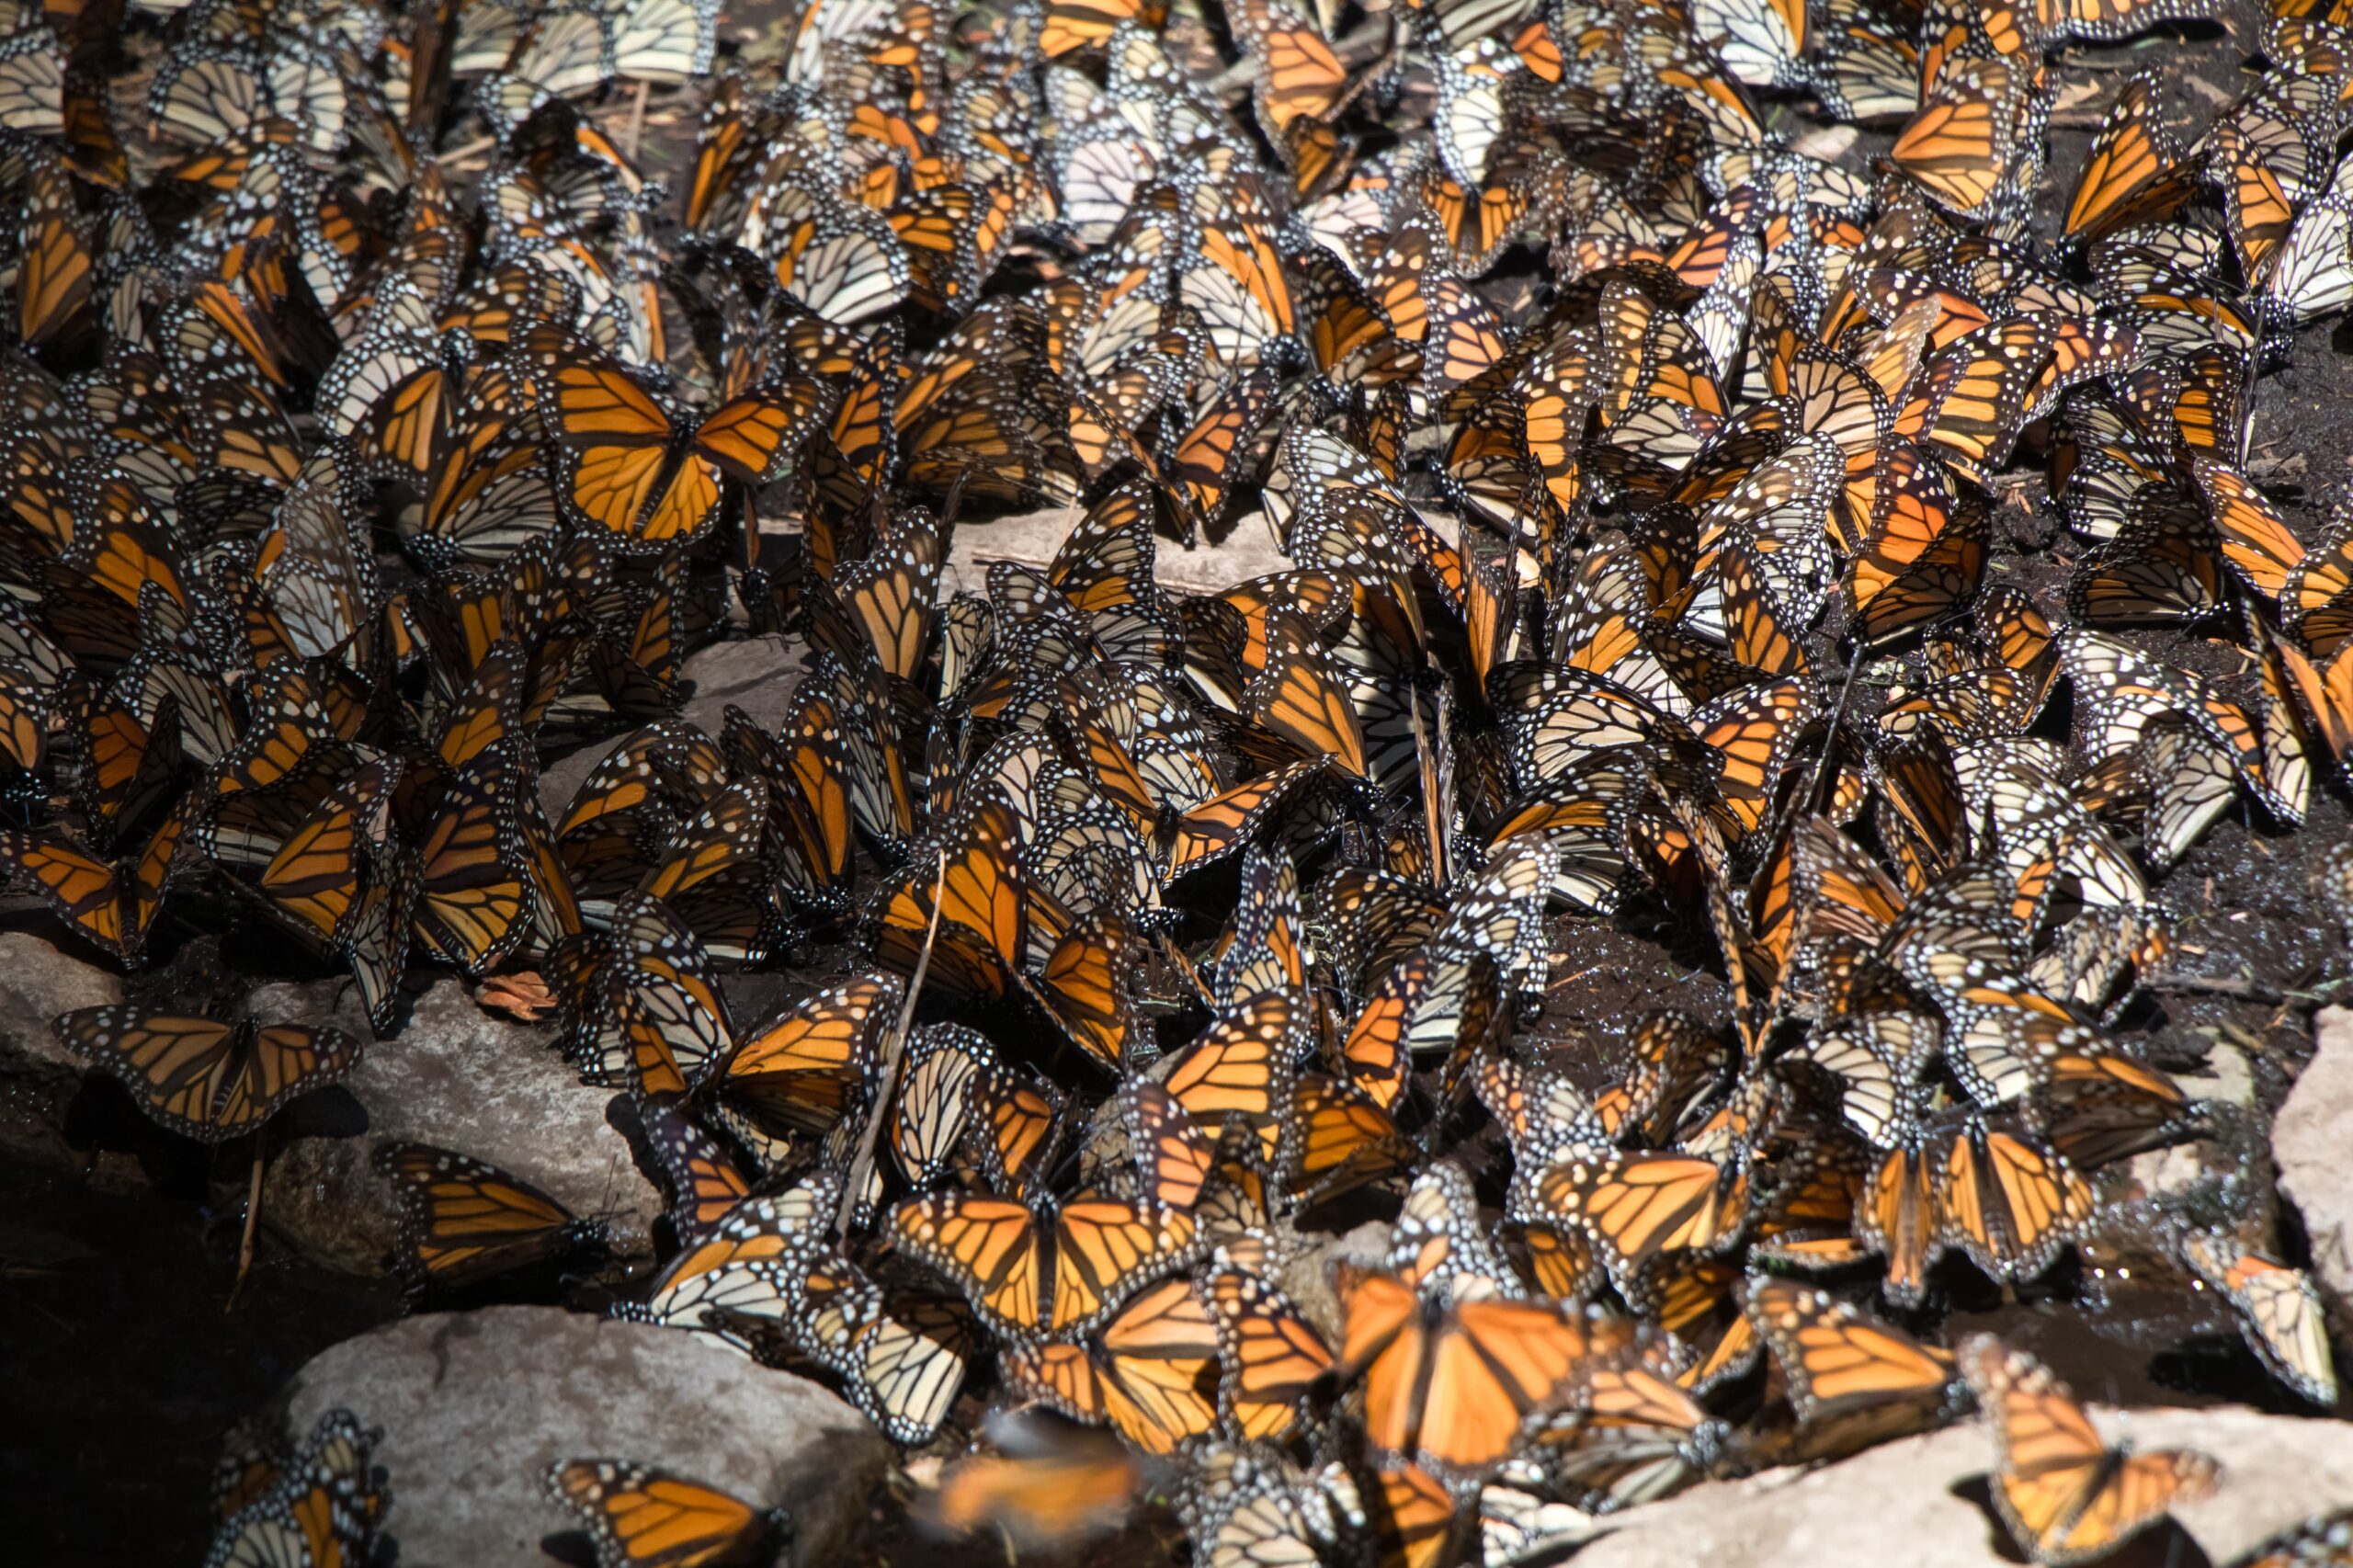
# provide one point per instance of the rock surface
(474, 1406)
(453, 1076)
(2308, 1142)
(38, 1078)
(1307, 1278)
(1247, 550)
(1919, 1501)
(758, 675)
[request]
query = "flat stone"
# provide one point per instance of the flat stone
(1918, 1500)
(1247, 550)
(39, 1077)
(1307, 1277)
(474, 1406)
(457, 1077)
(758, 675)
(2309, 1143)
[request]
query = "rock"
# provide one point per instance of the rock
(474, 1406)
(2308, 1145)
(1247, 550)
(1926, 1494)
(758, 675)
(455, 1076)
(1307, 1277)
(39, 1077)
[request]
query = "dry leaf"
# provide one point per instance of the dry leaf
(522, 995)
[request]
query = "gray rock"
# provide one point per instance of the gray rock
(758, 675)
(1854, 1514)
(1249, 550)
(1307, 1277)
(454, 1076)
(474, 1406)
(38, 1078)
(2308, 1142)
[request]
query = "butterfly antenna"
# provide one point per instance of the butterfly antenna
(893, 1048)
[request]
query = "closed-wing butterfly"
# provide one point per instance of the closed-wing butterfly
(639, 1516)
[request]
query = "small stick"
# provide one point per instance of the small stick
(637, 119)
(893, 1050)
(252, 1225)
(1427, 766)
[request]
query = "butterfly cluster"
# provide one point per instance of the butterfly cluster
(377, 429)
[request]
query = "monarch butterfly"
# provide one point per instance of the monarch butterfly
(727, 1269)
(1210, 830)
(2324, 690)
(1248, 1506)
(1242, 1067)
(1836, 1358)
(1635, 1208)
(626, 469)
(321, 1508)
(1084, 986)
(803, 1071)
(982, 915)
(704, 1184)
(1423, 1006)
(211, 1080)
(114, 906)
(1454, 1387)
(474, 884)
(306, 873)
(2003, 1054)
(54, 267)
(1029, 1270)
(463, 1222)
(1051, 1491)
(1440, 1245)
(2256, 542)
(1300, 697)
(1150, 1372)
(2067, 1496)
(1271, 1358)
(661, 1023)
(2279, 1307)
(2010, 1204)
(1413, 1516)
(639, 1516)
(2132, 172)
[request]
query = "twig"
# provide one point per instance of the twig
(1427, 765)
(459, 154)
(2246, 987)
(1803, 802)
(253, 1225)
(637, 119)
(862, 1167)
